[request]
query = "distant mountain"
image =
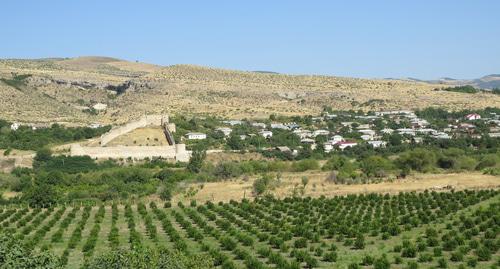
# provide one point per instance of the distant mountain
(486, 82)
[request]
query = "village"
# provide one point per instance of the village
(337, 132)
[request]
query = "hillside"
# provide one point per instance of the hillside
(486, 82)
(63, 90)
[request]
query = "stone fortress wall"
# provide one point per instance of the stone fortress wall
(148, 120)
(174, 152)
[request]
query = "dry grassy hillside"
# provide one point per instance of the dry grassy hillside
(61, 89)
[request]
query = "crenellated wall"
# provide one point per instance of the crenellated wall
(148, 120)
(177, 152)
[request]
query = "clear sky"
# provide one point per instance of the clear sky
(423, 38)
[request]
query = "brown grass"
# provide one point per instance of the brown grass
(192, 90)
(317, 186)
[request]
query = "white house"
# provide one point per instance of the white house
(278, 126)
(95, 125)
(347, 144)
(418, 140)
(441, 135)
(472, 116)
(196, 136)
(337, 138)
(14, 126)
(367, 132)
(387, 131)
(320, 132)
(100, 106)
(266, 134)
(330, 116)
(259, 125)
(407, 131)
(225, 130)
(302, 133)
(233, 122)
(366, 137)
(363, 126)
(377, 143)
(307, 141)
(329, 146)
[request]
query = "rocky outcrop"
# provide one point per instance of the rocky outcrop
(120, 88)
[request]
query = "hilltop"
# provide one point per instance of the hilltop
(66, 90)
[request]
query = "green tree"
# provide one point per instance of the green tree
(376, 166)
(41, 195)
(261, 184)
(196, 160)
(42, 155)
(14, 255)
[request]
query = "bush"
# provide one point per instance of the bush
(304, 165)
(262, 184)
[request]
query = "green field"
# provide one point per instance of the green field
(430, 229)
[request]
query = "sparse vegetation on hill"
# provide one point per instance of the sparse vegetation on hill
(57, 85)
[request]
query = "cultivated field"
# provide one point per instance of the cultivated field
(430, 229)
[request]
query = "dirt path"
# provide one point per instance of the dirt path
(317, 186)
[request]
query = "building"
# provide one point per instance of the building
(378, 143)
(329, 146)
(320, 132)
(283, 149)
(441, 135)
(418, 140)
(330, 116)
(337, 138)
(100, 106)
(472, 116)
(307, 141)
(259, 125)
(301, 133)
(367, 132)
(225, 130)
(196, 136)
(278, 126)
(363, 126)
(387, 131)
(266, 134)
(406, 131)
(14, 126)
(233, 122)
(347, 144)
(95, 125)
(366, 137)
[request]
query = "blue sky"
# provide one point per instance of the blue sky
(423, 39)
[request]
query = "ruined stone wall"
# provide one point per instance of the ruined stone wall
(177, 152)
(149, 120)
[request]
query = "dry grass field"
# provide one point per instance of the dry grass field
(59, 90)
(317, 186)
(150, 136)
